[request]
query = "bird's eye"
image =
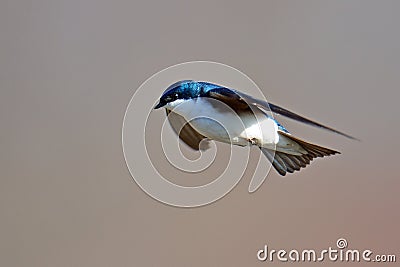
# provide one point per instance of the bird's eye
(176, 95)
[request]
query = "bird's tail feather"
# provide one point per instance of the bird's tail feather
(284, 162)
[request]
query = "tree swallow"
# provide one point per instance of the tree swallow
(200, 111)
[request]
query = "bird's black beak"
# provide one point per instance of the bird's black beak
(159, 105)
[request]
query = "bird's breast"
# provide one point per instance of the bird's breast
(219, 122)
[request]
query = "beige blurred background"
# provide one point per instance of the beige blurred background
(69, 68)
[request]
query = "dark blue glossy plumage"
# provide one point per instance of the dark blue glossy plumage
(189, 89)
(185, 89)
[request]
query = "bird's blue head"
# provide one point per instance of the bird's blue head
(183, 90)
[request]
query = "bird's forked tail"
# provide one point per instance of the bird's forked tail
(285, 162)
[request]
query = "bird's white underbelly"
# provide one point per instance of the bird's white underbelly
(216, 121)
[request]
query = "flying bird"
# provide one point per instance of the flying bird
(201, 111)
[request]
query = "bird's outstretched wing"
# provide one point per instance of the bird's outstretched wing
(186, 132)
(239, 101)
(287, 113)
